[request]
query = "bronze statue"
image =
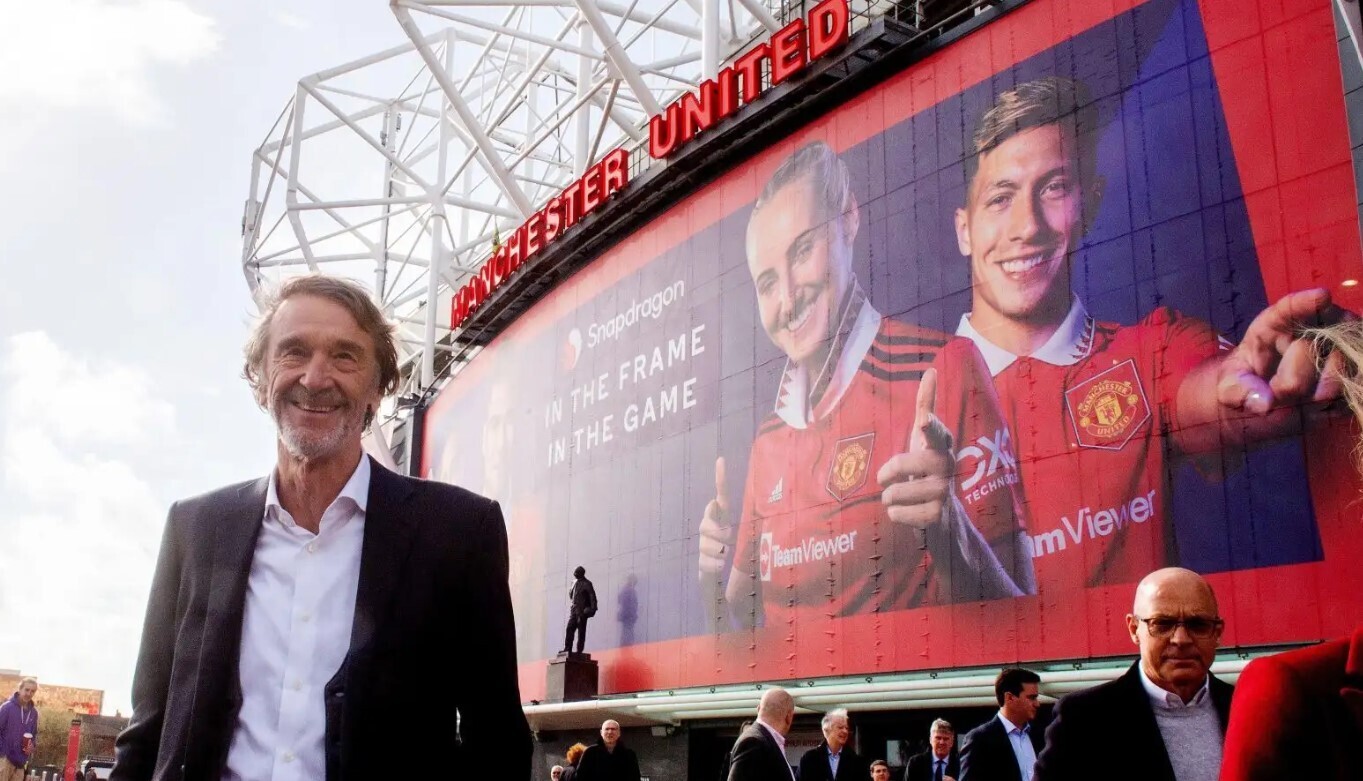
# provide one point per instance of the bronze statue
(581, 606)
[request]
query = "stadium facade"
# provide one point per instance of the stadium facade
(670, 369)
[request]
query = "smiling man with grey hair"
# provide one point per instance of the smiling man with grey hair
(292, 615)
(832, 760)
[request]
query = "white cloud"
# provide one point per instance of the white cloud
(98, 54)
(81, 522)
(291, 20)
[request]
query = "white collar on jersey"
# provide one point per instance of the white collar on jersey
(800, 399)
(1070, 343)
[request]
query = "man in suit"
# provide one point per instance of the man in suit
(832, 760)
(1164, 720)
(1005, 747)
(759, 754)
(939, 762)
(609, 759)
(581, 606)
(297, 623)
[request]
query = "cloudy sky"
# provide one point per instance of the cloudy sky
(126, 128)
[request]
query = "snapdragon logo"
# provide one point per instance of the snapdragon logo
(641, 309)
(813, 548)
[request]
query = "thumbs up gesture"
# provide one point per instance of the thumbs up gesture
(716, 530)
(917, 482)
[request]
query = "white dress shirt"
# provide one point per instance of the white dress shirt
(1023, 750)
(300, 606)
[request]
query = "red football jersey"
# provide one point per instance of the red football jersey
(813, 528)
(1092, 412)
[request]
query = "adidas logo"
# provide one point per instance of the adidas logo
(777, 491)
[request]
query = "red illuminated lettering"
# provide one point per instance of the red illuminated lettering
(571, 205)
(699, 112)
(827, 27)
(749, 67)
(664, 132)
(616, 167)
(553, 219)
(591, 189)
(726, 85)
(501, 265)
(788, 55)
(533, 237)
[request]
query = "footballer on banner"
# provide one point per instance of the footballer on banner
(853, 499)
(1099, 410)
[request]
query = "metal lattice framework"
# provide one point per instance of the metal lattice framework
(401, 169)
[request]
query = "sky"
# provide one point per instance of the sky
(126, 128)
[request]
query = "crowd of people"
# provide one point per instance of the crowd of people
(1167, 717)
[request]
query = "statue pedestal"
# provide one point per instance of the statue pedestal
(572, 677)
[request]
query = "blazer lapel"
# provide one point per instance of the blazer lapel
(1352, 690)
(388, 534)
(234, 541)
(1144, 729)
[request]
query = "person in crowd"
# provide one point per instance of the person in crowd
(940, 762)
(290, 617)
(1090, 401)
(1300, 714)
(556, 773)
(609, 759)
(18, 730)
(880, 770)
(1163, 720)
(90, 775)
(1005, 747)
(832, 760)
(573, 757)
(759, 754)
(862, 440)
(581, 606)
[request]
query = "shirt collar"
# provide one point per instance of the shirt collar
(356, 489)
(1070, 343)
(1010, 727)
(1163, 698)
(780, 739)
(801, 399)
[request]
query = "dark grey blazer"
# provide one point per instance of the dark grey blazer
(1110, 730)
(432, 650)
(756, 757)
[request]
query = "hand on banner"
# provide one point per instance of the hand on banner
(716, 533)
(1274, 365)
(918, 483)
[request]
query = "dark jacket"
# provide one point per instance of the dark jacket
(15, 720)
(1299, 715)
(582, 596)
(814, 765)
(432, 605)
(920, 766)
(987, 753)
(598, 764)
(1111, 730)
(756, 757)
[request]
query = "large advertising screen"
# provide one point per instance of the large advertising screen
(932, 381)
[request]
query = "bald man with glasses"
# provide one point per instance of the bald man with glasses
(1165, 719)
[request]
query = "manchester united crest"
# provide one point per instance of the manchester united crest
(1108, 408)
(851, 461)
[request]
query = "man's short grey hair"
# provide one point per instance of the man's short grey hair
(28, 679)
(829, 717)
(941, 725)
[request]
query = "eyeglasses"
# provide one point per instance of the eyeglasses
(1198, 627)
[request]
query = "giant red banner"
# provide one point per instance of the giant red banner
(934, 380)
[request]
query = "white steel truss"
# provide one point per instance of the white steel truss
(400, 169)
